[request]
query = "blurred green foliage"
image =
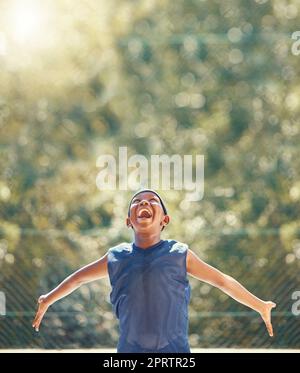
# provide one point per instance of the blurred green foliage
(161, 77)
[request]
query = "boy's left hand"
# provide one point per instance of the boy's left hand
(266, 316)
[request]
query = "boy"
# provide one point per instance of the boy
(150, 290)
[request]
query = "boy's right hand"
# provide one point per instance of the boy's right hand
(42, 308)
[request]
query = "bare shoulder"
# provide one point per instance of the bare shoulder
(190, 257)
(194, 263)
(102, 263)
(98, 268)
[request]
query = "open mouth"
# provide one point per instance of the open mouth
(144, 213)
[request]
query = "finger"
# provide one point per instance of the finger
(271, 332)
(37, 325)
(37, 319)
(34, 324)
(34, 321)
(269, 328)
(36, 315)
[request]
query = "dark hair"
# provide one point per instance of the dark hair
(152, 191)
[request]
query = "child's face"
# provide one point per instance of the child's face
(146, 213)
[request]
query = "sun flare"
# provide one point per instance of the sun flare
(27, 21)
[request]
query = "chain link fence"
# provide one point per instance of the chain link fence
(84, 319)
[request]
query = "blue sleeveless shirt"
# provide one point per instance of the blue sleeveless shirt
(150, 296)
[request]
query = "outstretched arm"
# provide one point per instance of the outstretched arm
(204, 272)
(91, 272)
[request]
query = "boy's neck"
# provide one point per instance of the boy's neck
(145, 240)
